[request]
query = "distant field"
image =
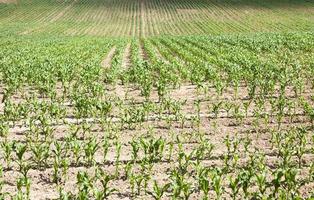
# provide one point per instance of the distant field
(155, 17)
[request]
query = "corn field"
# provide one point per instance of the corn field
(119, 110)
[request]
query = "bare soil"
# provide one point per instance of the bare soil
(8, 1)
(107, 60)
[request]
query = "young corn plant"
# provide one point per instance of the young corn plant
(147, 177)
(3, 194)
(135, 149)
(85, 185)
(75, 146)
(127, 169)
(4, 129)
(216, 177)
(170, 151)
(179, 186)
(204, 185)
(24, 167)
(8, 148)
(234, 184)
(184, 159)
(1, 179)
(238, 114)
(187, 190)
(228, 106)
(245, 181)
(262, 184)
(65, 163)
(59, 150)
(246, 106)
(105, 148)
(23, 182)
(216, 107)
(41, 152)
(232, 149)
(161, 90)
(118, 154)
(104, 179)
(309, 111)
(301, 142)
(159, 190)
(153, 149)
(90, 149)
(131, 178)
(138, 182)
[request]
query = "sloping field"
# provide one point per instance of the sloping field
(156, 17)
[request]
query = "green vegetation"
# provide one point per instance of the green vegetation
(176, 113)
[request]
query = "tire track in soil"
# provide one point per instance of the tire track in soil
(126, 63)
(126, 58)
(142, 51)
(107, 60)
